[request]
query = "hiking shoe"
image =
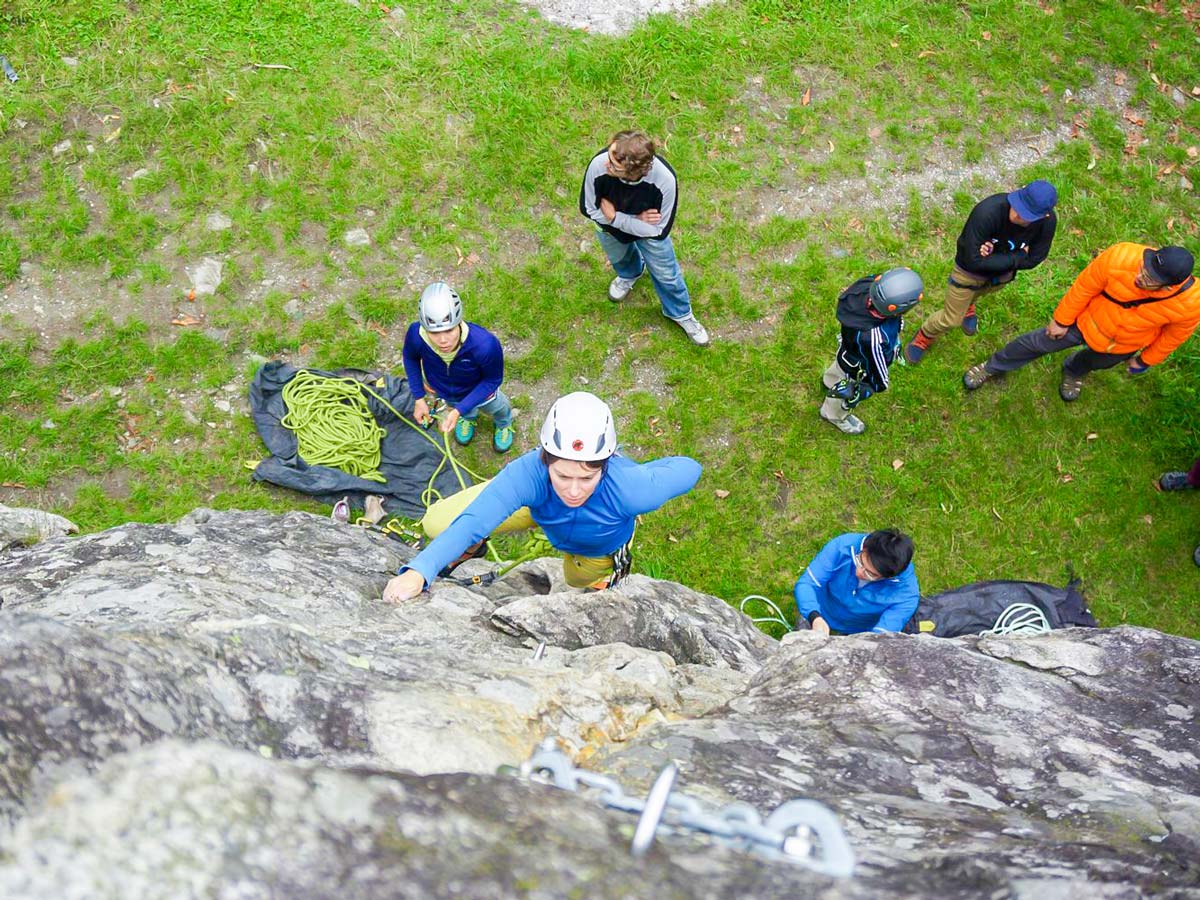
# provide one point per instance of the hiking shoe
(975, 376)
(914, 350)
(502, 440)
(970, 322)
(619, 288)
(1174, 481)
(693, 329)
(1070, 387)
(464, 430)
(850, 425)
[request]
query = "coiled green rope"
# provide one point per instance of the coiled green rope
(333, 424)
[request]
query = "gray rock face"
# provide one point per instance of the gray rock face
(21, 526)
(224, 708)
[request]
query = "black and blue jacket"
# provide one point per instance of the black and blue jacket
(868, 343)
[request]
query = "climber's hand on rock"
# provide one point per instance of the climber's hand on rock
(405, 586)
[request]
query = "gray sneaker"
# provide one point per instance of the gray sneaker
(851, 424)
(693, 329)
(975, 376)
(619, 288)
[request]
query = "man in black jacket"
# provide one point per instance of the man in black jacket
(1004, 234)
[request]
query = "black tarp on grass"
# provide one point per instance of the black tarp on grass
(974, 608)
(408, 459)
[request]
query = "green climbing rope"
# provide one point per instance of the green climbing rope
(333, 424)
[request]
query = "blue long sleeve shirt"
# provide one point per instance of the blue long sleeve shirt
(465, 382)
(599, 527)
(831, 587)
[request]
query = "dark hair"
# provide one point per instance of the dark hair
(547, 457)
(890, 551)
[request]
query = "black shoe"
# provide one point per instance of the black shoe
(473, 552)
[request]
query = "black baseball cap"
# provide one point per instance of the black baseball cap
(1170, 265)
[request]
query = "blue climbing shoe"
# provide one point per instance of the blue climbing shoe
(970, 322)
(464, 430)
(502, 440)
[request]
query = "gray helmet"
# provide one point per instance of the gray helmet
(441, 308)
(896, 291)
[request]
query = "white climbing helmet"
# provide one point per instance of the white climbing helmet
(441, 308)
(580, 427)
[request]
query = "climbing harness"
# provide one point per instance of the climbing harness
(799, 831)
(1020, 618)
(775, 618)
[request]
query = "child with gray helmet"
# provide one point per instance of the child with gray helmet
(871, 313)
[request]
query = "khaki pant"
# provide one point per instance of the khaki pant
(959, 296)
(579, 571)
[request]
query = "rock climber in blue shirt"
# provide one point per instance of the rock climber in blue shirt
(582, 493)
(859, 582)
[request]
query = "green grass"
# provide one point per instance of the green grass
(457, 135)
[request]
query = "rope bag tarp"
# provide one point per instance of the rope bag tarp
(407, 459)
(975, 608)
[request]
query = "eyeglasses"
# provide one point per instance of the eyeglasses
(871, 574)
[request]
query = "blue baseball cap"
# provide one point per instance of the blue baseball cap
(1034, 201)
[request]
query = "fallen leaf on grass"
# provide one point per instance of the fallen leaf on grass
(721, 493)
(186, 320)
(831, 146)
(1119, 78)
(1148, 519)
(1066, 477)
(894, 44)
(1193, 152)
(672, 539)
(673, 95)
(997, 514)
(1091, 165)
(925, 53)
(897, 465)
(987, 35)
(112, 135)
(1091, 435)
(12, 484)
(807, 98)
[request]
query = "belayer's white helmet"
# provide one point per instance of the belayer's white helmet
(580, 427)
(441, 308)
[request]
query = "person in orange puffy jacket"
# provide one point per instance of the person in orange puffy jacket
(1131, 303)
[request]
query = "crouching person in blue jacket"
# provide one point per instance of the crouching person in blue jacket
(859, 582)
(459, 362)
(582, 493)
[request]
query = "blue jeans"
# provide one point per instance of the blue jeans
(630, 260)
(498, 407)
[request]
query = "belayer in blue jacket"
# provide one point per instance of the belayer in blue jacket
(458, 362)
(859, 582)
(582, 493)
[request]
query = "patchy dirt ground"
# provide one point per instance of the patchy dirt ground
(943, 172)
(612, 17)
